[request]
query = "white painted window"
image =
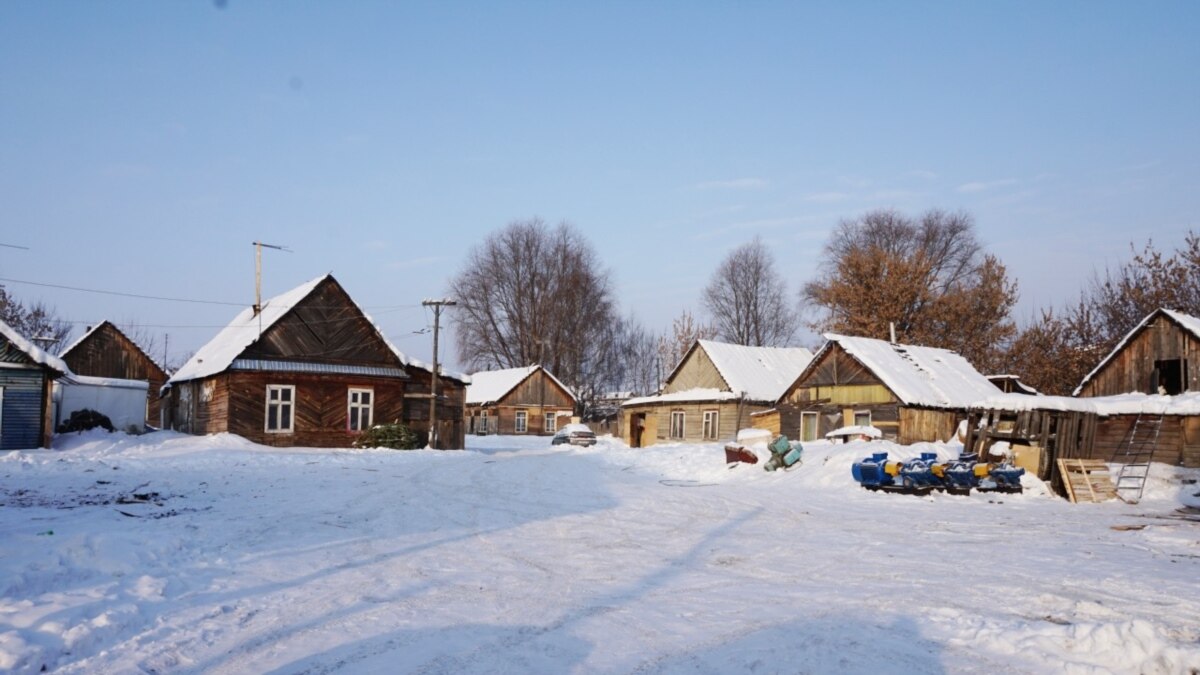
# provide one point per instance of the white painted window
(808, 426)
(360, 408)
(522, 421)
(712, 422)
(677, 420)
(281, 408)
(862, 418)
(551, 422)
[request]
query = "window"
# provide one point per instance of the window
(862, 418)
(551, 422)
(1170, 377)
(712, 422)
(808, 426)
(676, 424)
(281, 404)
(360, 405)
(522, 421)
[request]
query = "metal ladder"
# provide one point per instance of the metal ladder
(1134, 455)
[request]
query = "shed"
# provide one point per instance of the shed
(529, 400)
(712, 393)
(26, 376)
(910, 393)
(104, 351)
(1159, 356)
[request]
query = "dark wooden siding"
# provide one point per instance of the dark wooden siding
(23, 416)
(107, 352)
(450, 411)
(321, 406)
(327, 327)
(1131, 368)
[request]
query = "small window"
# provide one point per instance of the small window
(808, 426)
(281, 408)
(1170, 377)
(677, 424)
(712, 422)
(522, 421)
(360, 405)
(862, 418)
(551, 422)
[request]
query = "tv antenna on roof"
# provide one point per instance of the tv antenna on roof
(258, 247)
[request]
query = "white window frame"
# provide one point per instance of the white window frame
(521, 422)
(862, 412)
(712, 424)
(678, 430)
(550, 422)
(352, 405)
(810, 421)
(279, 403)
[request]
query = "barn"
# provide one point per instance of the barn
(104, 351)
(910, 393)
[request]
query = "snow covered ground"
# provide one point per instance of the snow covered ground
(166, 553)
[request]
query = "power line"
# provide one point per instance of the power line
(126, 295)
(191, 300)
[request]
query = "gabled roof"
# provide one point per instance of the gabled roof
(35, 353)
(489, 386)
(95, 329)
(920, 376)
(758, 373)
(1185, 321)
(219, 353)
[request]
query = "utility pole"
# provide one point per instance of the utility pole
(437, 306)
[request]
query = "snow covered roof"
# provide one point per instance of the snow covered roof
(34, 352)
(758, 373)
(1186, 321)
(1122, 404)
(219, 353)
(924, 376)
(489, 386)
(687, 395)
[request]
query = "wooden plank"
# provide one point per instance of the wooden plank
(1086, 478)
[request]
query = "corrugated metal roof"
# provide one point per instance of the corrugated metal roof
(318, 368)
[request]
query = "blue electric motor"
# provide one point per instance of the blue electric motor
(1002, 478)
(960, 473)
(919, 473)
(871, 471)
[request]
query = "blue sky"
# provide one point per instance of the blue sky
(145, 145)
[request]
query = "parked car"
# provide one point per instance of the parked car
(575, 434)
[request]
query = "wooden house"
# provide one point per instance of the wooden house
(712, 392)
(105, 351)
(308, 368)
(519, 401)
(26, 375)
(910, 393)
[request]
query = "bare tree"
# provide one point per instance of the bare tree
(36, 322)
(928, 277)
(642, 370)
(746, 299)
(531, 293)
(1057, 349)
(674, 344)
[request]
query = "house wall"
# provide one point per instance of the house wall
(918, 425)
(107, 352)
(502, 419)
(1178, 441)
(23, 411)
(1130, 370)
(451, 397)
(696, 372)
(732, 416)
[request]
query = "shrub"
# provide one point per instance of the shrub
(82, 420)
(396, 436)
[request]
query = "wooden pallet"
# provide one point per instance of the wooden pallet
(1087, 480)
